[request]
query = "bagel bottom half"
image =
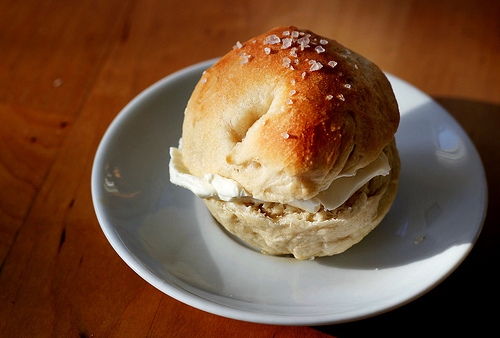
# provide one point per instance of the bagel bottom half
(281, 229)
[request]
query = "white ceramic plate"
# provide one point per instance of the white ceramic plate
(165, 234)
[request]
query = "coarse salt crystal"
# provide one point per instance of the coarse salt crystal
(293, 82)
(292, 92)
(286, 33)
(304, 42)
(245, 57)
(329, 97)
(356, 66)
(287, 42)
(341, 97)
(285, 135)
(57, 83)
(303, 75)
(267, 50)
(323, 42)
(319, 49)
(418, 240)
(295, 34)
(286, 62)
(315, 65)
(238, 45)
(272, 39)
(293, 52)
(203, 80)
(347, 85)
(332, 63)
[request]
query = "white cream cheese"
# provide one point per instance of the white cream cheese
(345, 186)
(213, 185)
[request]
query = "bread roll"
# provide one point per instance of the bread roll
(284, 115)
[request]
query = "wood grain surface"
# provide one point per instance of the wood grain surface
(68, 67)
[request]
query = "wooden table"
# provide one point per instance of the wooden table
(68, 67)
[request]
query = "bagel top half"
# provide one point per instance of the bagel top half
(285, 113)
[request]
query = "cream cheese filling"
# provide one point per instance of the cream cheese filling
(216, 186)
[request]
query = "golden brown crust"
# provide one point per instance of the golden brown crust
(284, 121)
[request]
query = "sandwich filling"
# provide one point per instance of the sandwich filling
(212, 185)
